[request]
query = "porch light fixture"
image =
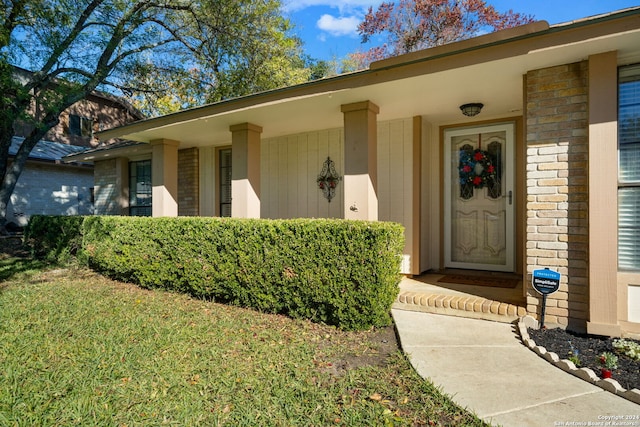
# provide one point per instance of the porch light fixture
(328, 179)
(472, 109)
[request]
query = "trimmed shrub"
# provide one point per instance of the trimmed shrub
(54, 238)
(339, 272)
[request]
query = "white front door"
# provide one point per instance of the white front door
(479, 199)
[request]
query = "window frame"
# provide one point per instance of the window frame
(135, 207)
(221, 202)
(83, 127)
(627, 229)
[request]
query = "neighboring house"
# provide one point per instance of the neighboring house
(532, 181)
(49, 186)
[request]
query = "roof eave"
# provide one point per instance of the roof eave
(379, 72)
(105, 153)
(324, 85)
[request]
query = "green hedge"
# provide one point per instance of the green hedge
(54, 238)
(339, 272)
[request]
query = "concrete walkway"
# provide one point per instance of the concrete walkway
(486, 369)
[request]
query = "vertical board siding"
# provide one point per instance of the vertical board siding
(294, 172)
(384, 171)
(302, 160)
(208, 181)
(313, 150)
(323, 151)
(289, 168)
(336, 151)
(268, 187)
(395, 179)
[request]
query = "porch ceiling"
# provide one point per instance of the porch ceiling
(432, 87)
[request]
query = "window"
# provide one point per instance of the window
(140, 188)
(225, 182)
(80, 126)
(629, 168)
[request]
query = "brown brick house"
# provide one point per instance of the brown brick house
(49, 186)
(505, 153)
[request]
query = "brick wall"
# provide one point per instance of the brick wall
(557, 190)
(188, 182)
(110, 199)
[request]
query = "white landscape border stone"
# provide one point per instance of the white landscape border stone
(586, 374)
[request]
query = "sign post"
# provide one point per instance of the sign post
(545, 282)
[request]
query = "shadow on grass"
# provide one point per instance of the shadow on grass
(12, 266)
(15, 259)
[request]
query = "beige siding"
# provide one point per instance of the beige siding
(432, 202)
(289, 169)
(395, 178)
(634, 304)
(629, 302)
(208, 186)
(291, 164)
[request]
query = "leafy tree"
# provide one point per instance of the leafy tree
(411, 25)
(321, 68)
(243, 48)
(178, 53)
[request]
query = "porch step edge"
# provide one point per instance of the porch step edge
(460, 306)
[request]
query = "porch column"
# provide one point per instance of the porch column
(603, 190)
(245, 170)
(164, 177)
(360, 161)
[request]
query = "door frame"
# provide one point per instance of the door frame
(510, 128)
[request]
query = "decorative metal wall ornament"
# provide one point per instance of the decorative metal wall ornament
(328, 179)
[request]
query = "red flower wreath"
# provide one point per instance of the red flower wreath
(476, 168)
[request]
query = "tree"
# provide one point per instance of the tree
(321, 68)
(411, 25)
(243, 48)
(202, 49)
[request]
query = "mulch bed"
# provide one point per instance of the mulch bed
(589, 348)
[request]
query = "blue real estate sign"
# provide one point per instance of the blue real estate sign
(546, 281)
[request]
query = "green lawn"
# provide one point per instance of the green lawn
(78, 349)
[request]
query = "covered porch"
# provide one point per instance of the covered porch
(404, 152)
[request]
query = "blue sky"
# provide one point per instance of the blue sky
(328, 27)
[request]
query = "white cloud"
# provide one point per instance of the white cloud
(343, 26)
(342, 5)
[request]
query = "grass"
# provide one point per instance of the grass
(78, 349)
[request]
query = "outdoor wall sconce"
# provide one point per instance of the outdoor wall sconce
(472, 109)
(328, 179)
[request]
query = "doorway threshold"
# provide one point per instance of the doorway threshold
(425, 293)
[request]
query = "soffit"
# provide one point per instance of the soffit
(433, 88)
